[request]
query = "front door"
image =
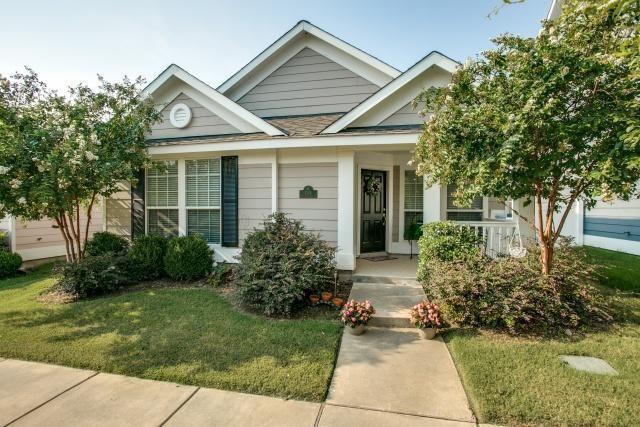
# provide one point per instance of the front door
(374, 210)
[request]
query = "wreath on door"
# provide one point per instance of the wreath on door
(373, 186)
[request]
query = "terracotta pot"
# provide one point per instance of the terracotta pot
(358, 330)
(338, 302)
(326, 296)
(427, 333)
(314, 299)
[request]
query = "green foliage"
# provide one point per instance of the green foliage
(105, 243)
(413, 231)
(281, 264)
(512, 294)
(188, 258)
(147, 256)
(60, 153)
(9, 263)
(549, 117)
(446, 241)
(95, 275)
(221, 275)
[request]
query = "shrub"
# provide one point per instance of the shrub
(513, 294)
(221, 275)
(446, 241)
(9, 263)
(95, 275)
(104, 243)
(147, 256)
(188, 258)
(282, 264)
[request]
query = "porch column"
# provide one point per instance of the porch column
(346, 255)
(431, 204)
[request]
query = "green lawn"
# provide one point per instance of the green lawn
(189, 336)
(518, 381)
(619, 270)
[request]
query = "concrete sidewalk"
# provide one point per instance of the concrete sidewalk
(35, 394)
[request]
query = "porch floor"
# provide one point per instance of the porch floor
(401, 267)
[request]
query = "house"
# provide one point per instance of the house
(313, 127)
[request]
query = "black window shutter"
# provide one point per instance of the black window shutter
(230, 201)
(137, 206)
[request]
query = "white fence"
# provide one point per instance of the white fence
(496, 235)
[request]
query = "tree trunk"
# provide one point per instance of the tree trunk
(546, 256)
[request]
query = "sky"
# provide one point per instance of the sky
(68, 42)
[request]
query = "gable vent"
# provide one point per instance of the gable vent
(180, 115)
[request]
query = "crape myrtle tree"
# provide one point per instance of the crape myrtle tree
(60, 153)
(553, 119)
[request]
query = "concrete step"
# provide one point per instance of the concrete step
(359, 278)
(392, 301)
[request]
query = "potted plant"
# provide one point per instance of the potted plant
(337, 301)
(313, 298)
(356, 315)
(326, 296)
(412, 233)
(426, 317)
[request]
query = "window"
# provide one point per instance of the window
(202, 180)
(457, 213)
(162, 198)
(413, 196)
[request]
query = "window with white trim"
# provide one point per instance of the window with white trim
(413, 198)
(458, 213)
(162, 198)
(202, 182)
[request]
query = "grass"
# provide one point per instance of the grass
(619, 270)
(521, 381)
(188, 336)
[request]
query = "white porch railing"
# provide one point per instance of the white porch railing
(496, 235)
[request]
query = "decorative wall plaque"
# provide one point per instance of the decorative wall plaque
(308, 193)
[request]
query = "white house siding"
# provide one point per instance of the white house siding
(254, 196)
(318, 215)
(203, 122)
(41, 239)
(309, 83)
(118, 211)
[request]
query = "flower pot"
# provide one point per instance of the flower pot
(314, 299)
(326, 296)
(427, 333)
(358, 330)
(338, 302)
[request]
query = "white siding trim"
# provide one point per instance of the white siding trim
(346, 254)
(40, 253)
(274, 182)
(618, 245)
(274, 143)
(182, 197)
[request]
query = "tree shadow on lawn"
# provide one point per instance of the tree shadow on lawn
(187, 336)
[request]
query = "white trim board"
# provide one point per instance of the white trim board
(339, 51)
(236, 115)
(391, 140)
(432, 59)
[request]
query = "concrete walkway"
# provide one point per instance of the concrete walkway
(36, 394)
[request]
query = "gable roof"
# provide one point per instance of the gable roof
(233, 113)
(432, 59)
(370, 67)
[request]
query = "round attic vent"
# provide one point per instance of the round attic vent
(180, 115)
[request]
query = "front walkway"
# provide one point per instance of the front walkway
(35, 394)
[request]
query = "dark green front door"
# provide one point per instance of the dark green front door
(374, 210)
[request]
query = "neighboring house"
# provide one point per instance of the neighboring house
(313, 127)
(611, 225)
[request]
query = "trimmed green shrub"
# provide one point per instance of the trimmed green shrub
(188, 258)
(9, 263)
(147, 256)
(446, 241)
(512, 294)
(104, 243)
(95, 275)
(280, 265)
(221, 275)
